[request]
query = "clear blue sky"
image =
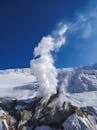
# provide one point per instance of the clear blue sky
(24, 22)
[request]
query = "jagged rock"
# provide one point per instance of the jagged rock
(33, 114)
(8, 103)
(75, 122)
(53, 117)
(43, 128)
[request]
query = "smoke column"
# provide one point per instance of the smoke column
(42, 66)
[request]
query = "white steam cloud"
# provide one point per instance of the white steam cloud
(42, 66)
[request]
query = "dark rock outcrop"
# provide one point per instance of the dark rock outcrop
(32, 113)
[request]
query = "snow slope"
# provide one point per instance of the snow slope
(13, 79)
(79, 85)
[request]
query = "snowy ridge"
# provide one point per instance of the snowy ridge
(24, 70)
(71, 81)
(78, 80)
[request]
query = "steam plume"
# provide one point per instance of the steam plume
(42, 66)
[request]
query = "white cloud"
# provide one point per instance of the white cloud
(82, 36)
(85, 24)
(87, 31)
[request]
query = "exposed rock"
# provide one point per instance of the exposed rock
(34, 114)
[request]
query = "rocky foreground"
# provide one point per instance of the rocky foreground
(37, 114)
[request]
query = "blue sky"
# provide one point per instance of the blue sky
(24, 22)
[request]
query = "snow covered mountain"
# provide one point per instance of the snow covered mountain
(76, 86)
(74, 82)
(14, 80)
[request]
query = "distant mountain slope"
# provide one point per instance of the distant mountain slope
(12, 79)
(20, 83)
(78, 80)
